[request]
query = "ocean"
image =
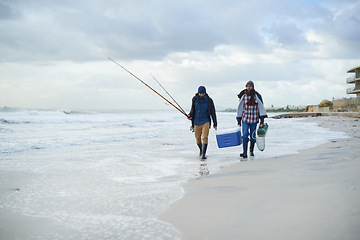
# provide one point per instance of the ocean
(109, 175)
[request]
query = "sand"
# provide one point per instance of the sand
(311, 195)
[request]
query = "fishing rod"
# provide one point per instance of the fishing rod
(148, 87)
(168, 94)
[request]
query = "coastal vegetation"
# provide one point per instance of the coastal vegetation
(286, 109)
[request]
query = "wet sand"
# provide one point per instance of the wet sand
(311, 195)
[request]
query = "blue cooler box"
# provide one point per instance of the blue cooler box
(228, 137)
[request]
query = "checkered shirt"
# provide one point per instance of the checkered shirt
(251, 113)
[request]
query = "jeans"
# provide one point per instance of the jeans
(249, 129)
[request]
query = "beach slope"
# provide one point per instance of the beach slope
(311, 195)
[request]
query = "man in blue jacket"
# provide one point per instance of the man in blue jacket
(201, 113)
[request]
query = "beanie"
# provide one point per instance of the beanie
(202, 89)
(250, 83)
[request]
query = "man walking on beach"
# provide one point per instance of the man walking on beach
(250, 110)
(201, 113)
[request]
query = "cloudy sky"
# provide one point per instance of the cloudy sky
(54, 54)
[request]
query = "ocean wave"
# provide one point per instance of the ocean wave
(10, 121)
(69, 138)
(59, 117)
(24, 146)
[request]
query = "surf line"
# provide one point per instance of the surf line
(180, 110)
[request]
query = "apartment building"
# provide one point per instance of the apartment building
(355, 79)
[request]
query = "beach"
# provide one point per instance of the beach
(314, 194)
(119, 175)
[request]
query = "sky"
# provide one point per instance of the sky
(54, 54)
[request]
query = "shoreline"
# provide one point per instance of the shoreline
(310, 195)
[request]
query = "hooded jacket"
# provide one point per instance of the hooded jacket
(211, 109)
(261, 108)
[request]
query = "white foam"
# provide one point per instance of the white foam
(119, 170)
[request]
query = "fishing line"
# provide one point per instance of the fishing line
(168, 94)
(182, 111)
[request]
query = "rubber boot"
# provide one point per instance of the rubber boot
(252, 144)
(244, 154)
(200, 147)
(204, 147)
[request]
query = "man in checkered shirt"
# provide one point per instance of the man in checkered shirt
(250, 110)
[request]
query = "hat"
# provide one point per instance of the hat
(201, 89)
(250, 83)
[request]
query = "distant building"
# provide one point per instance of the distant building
(354, 79)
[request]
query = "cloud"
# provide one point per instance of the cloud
(55, 54)
(87, 30)
(6, 12)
